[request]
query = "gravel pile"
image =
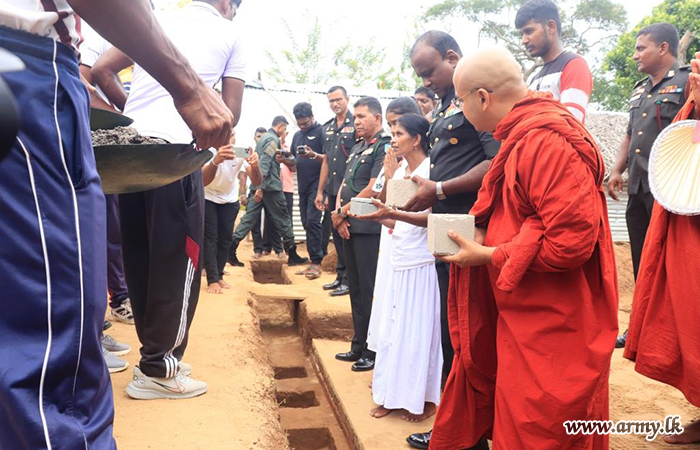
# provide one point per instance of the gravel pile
(122, 136)
(608, 129)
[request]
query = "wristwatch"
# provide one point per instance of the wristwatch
(438, 191)
(339, 211)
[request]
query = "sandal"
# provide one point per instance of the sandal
(313, 272)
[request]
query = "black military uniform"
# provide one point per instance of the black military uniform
(456, 148)
(362, 249)
(337, 145)
(652, 108)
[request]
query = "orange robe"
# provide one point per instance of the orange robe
(534, 331)
(664, 331)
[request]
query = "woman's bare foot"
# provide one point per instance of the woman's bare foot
(257, 256)
(204, 273)
(224, 285)
(690, 435)
(215, 288)
(380, 412)
(428, 410)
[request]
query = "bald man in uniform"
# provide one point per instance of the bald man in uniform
(533, 300)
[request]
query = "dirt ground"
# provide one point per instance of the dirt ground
(226, 350)
(240, 412)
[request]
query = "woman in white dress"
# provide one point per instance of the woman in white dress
(396, 109)
(408, 368)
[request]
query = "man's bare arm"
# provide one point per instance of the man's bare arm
(105, 72)
(615, 180)
(232, 93)
(131, 26)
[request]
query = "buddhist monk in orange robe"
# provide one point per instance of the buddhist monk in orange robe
(533, 301)
(664, 332)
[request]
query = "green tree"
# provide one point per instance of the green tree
(311, 62)
(621, 68)
(586, 24)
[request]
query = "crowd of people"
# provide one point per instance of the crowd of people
(503, 341)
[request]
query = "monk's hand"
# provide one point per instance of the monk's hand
(344, 230)
(425, 197)
(206, 115)
(694, 80)
(470, 253)
(479, 235)
(614, 185)
(383, 212)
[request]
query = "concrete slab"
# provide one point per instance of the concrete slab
(353, 398)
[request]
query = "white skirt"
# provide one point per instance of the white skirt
(408, 367)
(386, 246)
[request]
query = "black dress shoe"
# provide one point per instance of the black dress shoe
(363, 365)
(332, 286)
(621, 340)
(420, 440)
(349, 356)
(342, 290)
(233, 260)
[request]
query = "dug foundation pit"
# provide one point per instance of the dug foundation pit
(306, 413)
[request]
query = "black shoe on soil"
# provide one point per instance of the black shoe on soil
(342, 290)
(332, 286)
(621, 340)
(349, 356)
(363, 365)
(294, 258)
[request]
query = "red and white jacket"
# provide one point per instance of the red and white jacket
(569, 79)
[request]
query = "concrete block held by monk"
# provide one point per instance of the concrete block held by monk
(439, 242)
(362, 206)
(399, 192)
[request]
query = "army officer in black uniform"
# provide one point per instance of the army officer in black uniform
(459, 158)
(338, 141)
(654, 103)
(361, 238)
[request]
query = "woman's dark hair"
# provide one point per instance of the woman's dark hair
(403, 105)
(416, 125)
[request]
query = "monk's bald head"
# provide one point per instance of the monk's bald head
(489, 82)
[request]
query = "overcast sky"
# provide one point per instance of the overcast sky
(385, 23)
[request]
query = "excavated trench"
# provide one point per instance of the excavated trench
(306, 411)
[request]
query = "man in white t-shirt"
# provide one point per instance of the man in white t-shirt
(55, 389)
(221, 193)
(163, 229)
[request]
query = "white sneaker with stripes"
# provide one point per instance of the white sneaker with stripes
(143, 387)
(122, 313)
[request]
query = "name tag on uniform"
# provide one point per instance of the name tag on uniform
(329, 132)
(368, 152)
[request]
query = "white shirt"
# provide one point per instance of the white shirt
(225, 186)
(213, 47)
(92, 47)
(30, 16)
(410, 248)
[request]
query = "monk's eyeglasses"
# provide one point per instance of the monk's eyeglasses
(458, 102)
